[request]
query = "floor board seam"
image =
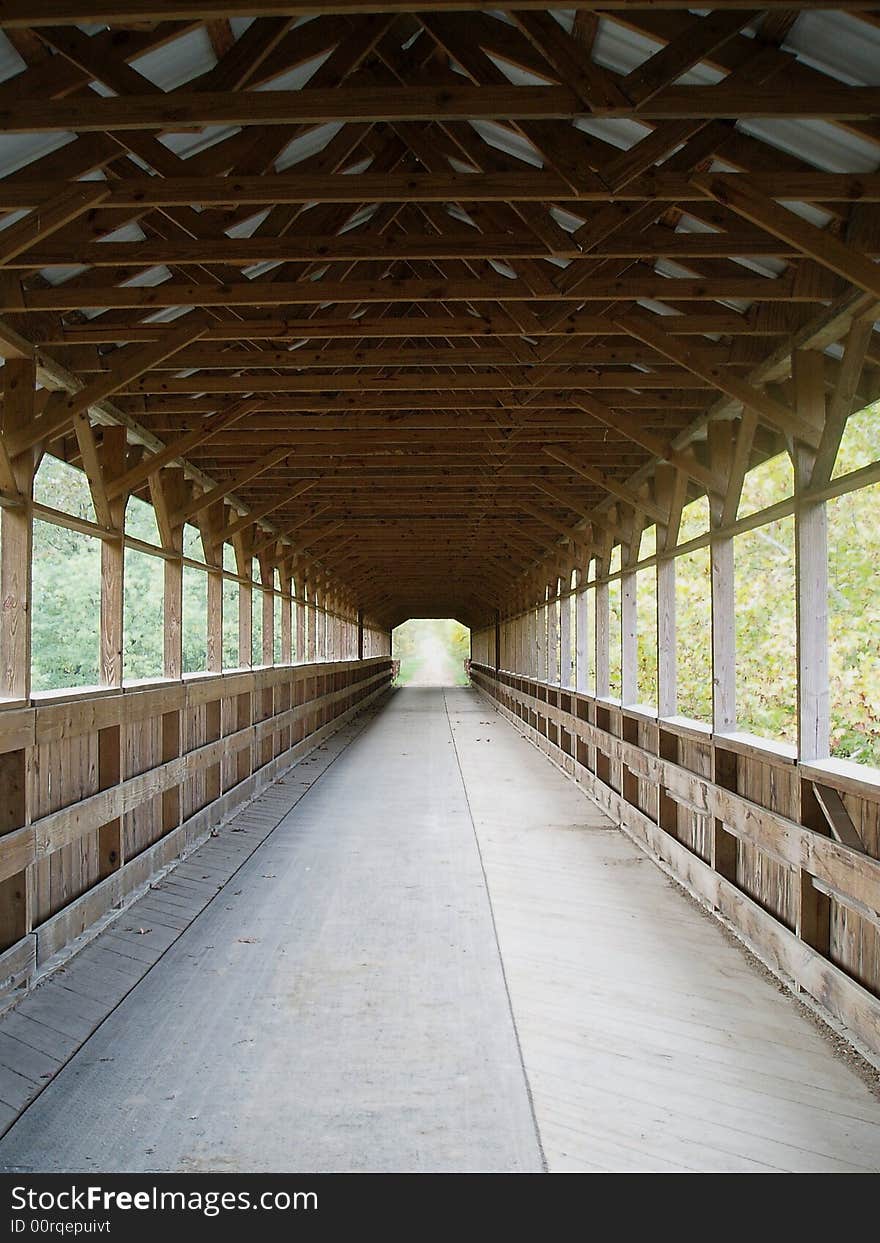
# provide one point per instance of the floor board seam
(525, 1073)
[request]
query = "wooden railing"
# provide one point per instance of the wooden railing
(99, 790)
(741, 824)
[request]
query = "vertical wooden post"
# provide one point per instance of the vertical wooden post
(565, 678)
(244, 563)
(312, 642)
(629, 656)
(811, 572)
(553, 632)
(603, 633)
(302, 638)
(113, 461)
(286, 578)
(670, 486)
(723, 597)
(267, 602)
(210, 527)
(169, 492)
(360, 634)
(582, 657)
(16, 568)
(17, 535)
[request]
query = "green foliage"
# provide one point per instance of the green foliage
(766, 642)
(615, 632)
(66, 607)
(67, 583)
(693, 634)
(646, 605)
(431, 651)
(854, 625)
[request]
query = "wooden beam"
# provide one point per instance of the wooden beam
(262, 293)
(138, 475)
(818, 243)
(693, 358)
(839, 820)
(19, 14)
(539, 186)
(182, 110)
(62, 408)
(48, 218)
(700, 38)
(261, 511)
(221, 490)
(840, 405)
(607, 484)
(16, 535)
(633, 430)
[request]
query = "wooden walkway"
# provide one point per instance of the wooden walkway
(321, 987)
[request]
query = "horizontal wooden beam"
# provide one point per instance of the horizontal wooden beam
(355, 247)
(263, 293)
(20, 14)
(848, 262)
(181, 110)
(488, 324)
(211, 427)
(417, 381)
(541, 186)
(305, 359)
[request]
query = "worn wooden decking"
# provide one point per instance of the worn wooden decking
(425, 949)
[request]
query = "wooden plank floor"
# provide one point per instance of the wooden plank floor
(651, 1040)
(51, 1023)
(339, 1004)
(325, 991)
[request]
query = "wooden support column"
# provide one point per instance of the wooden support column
(312, 621)
(169, 492)
(811, 562)
(17, 532)
(210, 527)
(629, 657)
(565, 666)
(245, 566)
(285, 573)
(16, 564)
(302, 637)
(553, 669)
(582, 628)
(723, 601)
(670, 486)
(360, 634)
(603, 634)
(113, 463)
(267, 600)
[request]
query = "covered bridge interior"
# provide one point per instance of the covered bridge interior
(316, 318)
